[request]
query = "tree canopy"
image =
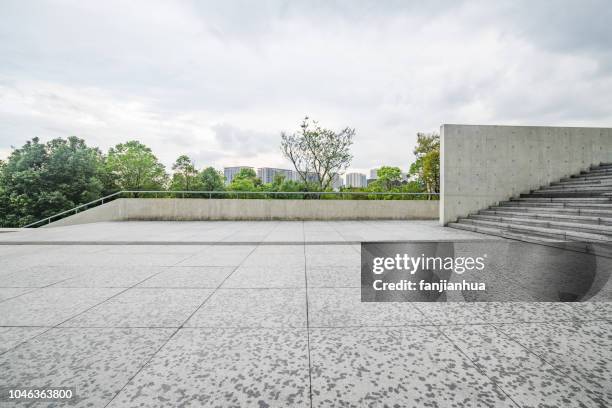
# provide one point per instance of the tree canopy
(39, 180)
(185, 177)
(133, 166)
(314, 150)
(427, 165)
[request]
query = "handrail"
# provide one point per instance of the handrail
(210, 194)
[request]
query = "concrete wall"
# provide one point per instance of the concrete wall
(482, 165)
(193, 209)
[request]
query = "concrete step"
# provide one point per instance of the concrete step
(556, 210)
(587, 178)
(562, 225)
(597, 171)
(602, 166)
(603, 249)
(553, 233)
(577, 188)
(558, 204)
(581, 219)
(584, 183)
(563, 194)
(564, 199)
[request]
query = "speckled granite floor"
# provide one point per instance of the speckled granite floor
(278, 325)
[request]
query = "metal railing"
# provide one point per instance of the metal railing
(305, 195)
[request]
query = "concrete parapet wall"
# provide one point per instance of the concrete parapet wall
(193, 209)
(482, 165)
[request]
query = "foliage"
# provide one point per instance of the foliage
(427, 165)
(185, 177)
(317, 151)
(39, 180)
(133, 166)
(212, 180)
(388, 178)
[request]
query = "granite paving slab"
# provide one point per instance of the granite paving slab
(51, 306)
(281, 276)
(342, 307)
(252, 308)
(395, 367)
(526, 378)
(189, 277)
(98, 362)
(143, 307)
(580, 350)
(224, 367)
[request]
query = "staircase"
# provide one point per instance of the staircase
(575, 209)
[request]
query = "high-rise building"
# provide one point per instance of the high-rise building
(373, 174)
(230, 172)
(267, 174)
(337, 182)
(356, 180)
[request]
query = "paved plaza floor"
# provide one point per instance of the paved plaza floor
(268, 314)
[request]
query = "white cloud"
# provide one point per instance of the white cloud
(219, 81)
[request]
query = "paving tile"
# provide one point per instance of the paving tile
(591, 310)
(252, 308)
(109, 276)
(189, 277)
(12, 336)
(408, 367)
(342, 307)
(334, 276)
(8, 293)
(527, 379)
(146, 307)
(98, 362)
(267, 277)
(38, 276)
(332, 255)
(494, 312)
(50, 306)
(224, 367)
(580, 350)
(219, 255)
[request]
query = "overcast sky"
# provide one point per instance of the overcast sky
(220, 80)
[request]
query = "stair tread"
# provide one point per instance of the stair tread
(559, 233)
(596, 228)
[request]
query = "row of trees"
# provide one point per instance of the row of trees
(41, 179)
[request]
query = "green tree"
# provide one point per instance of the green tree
(133, 166)
(427, 165)
(314, 150)
(185, 177)
(39, 180)
(388, 179)
(212, 180)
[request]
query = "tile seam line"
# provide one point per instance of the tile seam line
(481, 371)
(307, 317)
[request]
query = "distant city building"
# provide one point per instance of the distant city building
(370, 181)
(356, 180)
(230, 172)
(337, 182)
(373, 174)
(267, 174)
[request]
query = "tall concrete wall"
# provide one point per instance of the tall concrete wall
(482, 165)
(193, 209)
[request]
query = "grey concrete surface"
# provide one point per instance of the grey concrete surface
(196, 209)
(234, 232)
(482, 165)
(246, 320)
